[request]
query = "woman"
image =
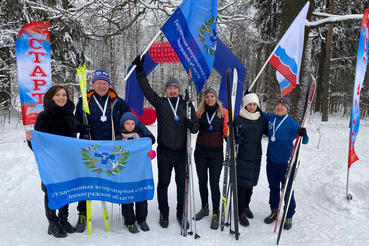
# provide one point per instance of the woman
(209, 152)
(57, 118)
(250, 126)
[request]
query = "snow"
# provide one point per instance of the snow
(323, 217)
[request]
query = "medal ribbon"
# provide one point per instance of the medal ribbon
(98, 104)
(212, 117)
(171, 106)
(280, 123)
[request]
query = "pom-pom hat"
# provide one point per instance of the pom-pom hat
(101, 75)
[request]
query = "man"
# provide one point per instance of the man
(106, 109)
(172, 127)
(282, 131)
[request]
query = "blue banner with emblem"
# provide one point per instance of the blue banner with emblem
(76, 169)
(191, 31)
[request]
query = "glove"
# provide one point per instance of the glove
(139, 63)
(237, 128)
(302, 132)
(84, 129)
(239, 140)
(189, 123)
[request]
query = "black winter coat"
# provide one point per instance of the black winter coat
(249, 151)
(171, 134)
(56, 120)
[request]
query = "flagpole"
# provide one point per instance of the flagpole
(142, 54)
(348, 196)
(261, 70)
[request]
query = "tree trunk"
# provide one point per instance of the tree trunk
(320, 79)
(327, 67)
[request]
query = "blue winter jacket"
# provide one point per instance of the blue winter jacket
(115, 109)
(280, 150)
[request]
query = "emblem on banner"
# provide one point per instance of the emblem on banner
(107, 163)
(208, 36)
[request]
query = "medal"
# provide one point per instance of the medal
(275, 129)
(103, 118)
(176, 117)
(210, 120)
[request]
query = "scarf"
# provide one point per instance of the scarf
(130, 135)
(250, 116)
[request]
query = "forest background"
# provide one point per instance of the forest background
(112, 32)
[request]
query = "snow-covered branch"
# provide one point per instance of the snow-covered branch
(329, 19)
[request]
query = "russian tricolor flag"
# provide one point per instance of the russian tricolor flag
(286, 57)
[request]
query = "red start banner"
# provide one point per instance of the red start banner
(163, 53)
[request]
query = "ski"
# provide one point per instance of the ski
(81, 72)
(226, 162)
(189, 189)
(293, 164)
(106, 218)
(231, 93)
(226, 165)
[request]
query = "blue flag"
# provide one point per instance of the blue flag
(191, 31)
(76, 169)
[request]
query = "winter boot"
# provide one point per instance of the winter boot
(81, 223)
(288, 224)
(248, 213)
(215, 221)
(133, 229)
(163, 220)
(67, 227)
(204, 211)
(243, 220)
(271, 217)
(55, 229)
(144, 226)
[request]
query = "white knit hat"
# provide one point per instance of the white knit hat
(250, 98)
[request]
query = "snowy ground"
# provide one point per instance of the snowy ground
(323, 215)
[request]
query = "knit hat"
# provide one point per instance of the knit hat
(250, 98)
(210, 90)
(172, 82)
(101, 75)
(128, 116)
(285, 101)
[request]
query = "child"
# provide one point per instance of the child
(128, 130)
